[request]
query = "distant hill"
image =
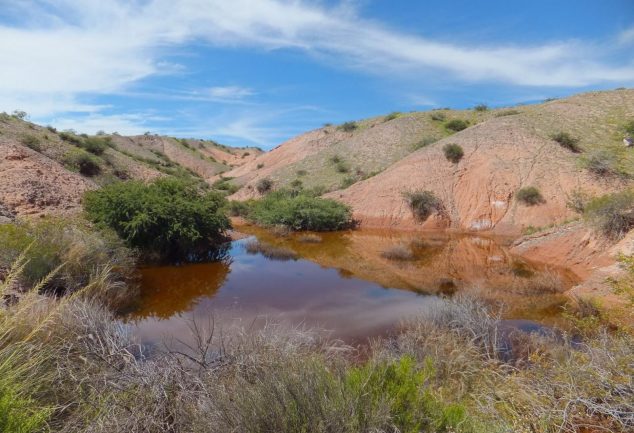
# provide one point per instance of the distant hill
(44, 171)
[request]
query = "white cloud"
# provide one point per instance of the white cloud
(65, 49)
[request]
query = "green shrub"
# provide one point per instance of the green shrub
(453, 152)
(612, 214)
(300, 212)
(457, 125)
(83, 162)
(481, 108)
(259, 166)
(347, 182)
(52, 129)
(96, 145)
(530, 196)
(297, 184)
(301, 172)
(629, 128)
(342, 167)
(391, 116)
(335, 159)
(70, 138)
(264, 185)
(438, 117)
(169, 218)
(224, 184)
(348, 126)
(567, 141)
(423, 203)
(237, 208)
(32, 142)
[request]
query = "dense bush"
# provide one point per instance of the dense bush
(224, 184)
(348, 126)
(453, 152)
(69, 250)
(237, 208)
(423, 203)
(612, 214)
(83, 162)
(457, 125)
(95, 145)
(530, 196)
(32, 142)
(481, 107)
(300, 211)
(567, 141)
(264, 185)
(169, 218)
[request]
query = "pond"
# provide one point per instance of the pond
(349, 284)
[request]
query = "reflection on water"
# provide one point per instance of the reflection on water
(341, 282)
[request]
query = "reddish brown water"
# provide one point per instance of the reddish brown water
(343, 284)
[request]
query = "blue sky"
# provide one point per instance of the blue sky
(257, 72)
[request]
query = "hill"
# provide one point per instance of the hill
(44, 171)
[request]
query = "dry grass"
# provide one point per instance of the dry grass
(310, 239)
(398, 253)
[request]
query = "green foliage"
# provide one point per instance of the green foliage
(612, 214)
(481, 108)
(70, 138)
(300, 211)
(169, 218)
(629, 128)
(19, 114)
(301, 172)
(401, 386)
(96, 145)
(20, 413)
(456, 125)
(567, 141)
(335, 159)
(52, 129)
(83, 162)
(264, 185)
(348, 126)
(347, 182)
(529, 195)
(453, 152)
(237, 208)
(224, 184)
(391, 116)
(32, 142)
(423, 203)
(342, 167)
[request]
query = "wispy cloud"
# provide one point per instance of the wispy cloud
(58, 51)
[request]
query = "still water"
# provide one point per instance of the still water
(342, 283)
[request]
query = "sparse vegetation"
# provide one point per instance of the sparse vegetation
(507, 113)
(612, 214)
(301, 172)
(481, 108)
(398, 253)
(170, 217)
(530, 196)
(438, 116)
(348, 126)
(224, 184)
(456, 125)
(264, 185)
(309, 238)
(426, 141)
(567, 141)
(96, 145)
(453, 152)
(629, 128)
(300, 211)
(577, 201)
(83, 162)
(32, 142)
(259, 166)
(391, 116)
(603, 163)
(270, 251)
(423, 203)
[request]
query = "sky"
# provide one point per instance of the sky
(258, 72)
